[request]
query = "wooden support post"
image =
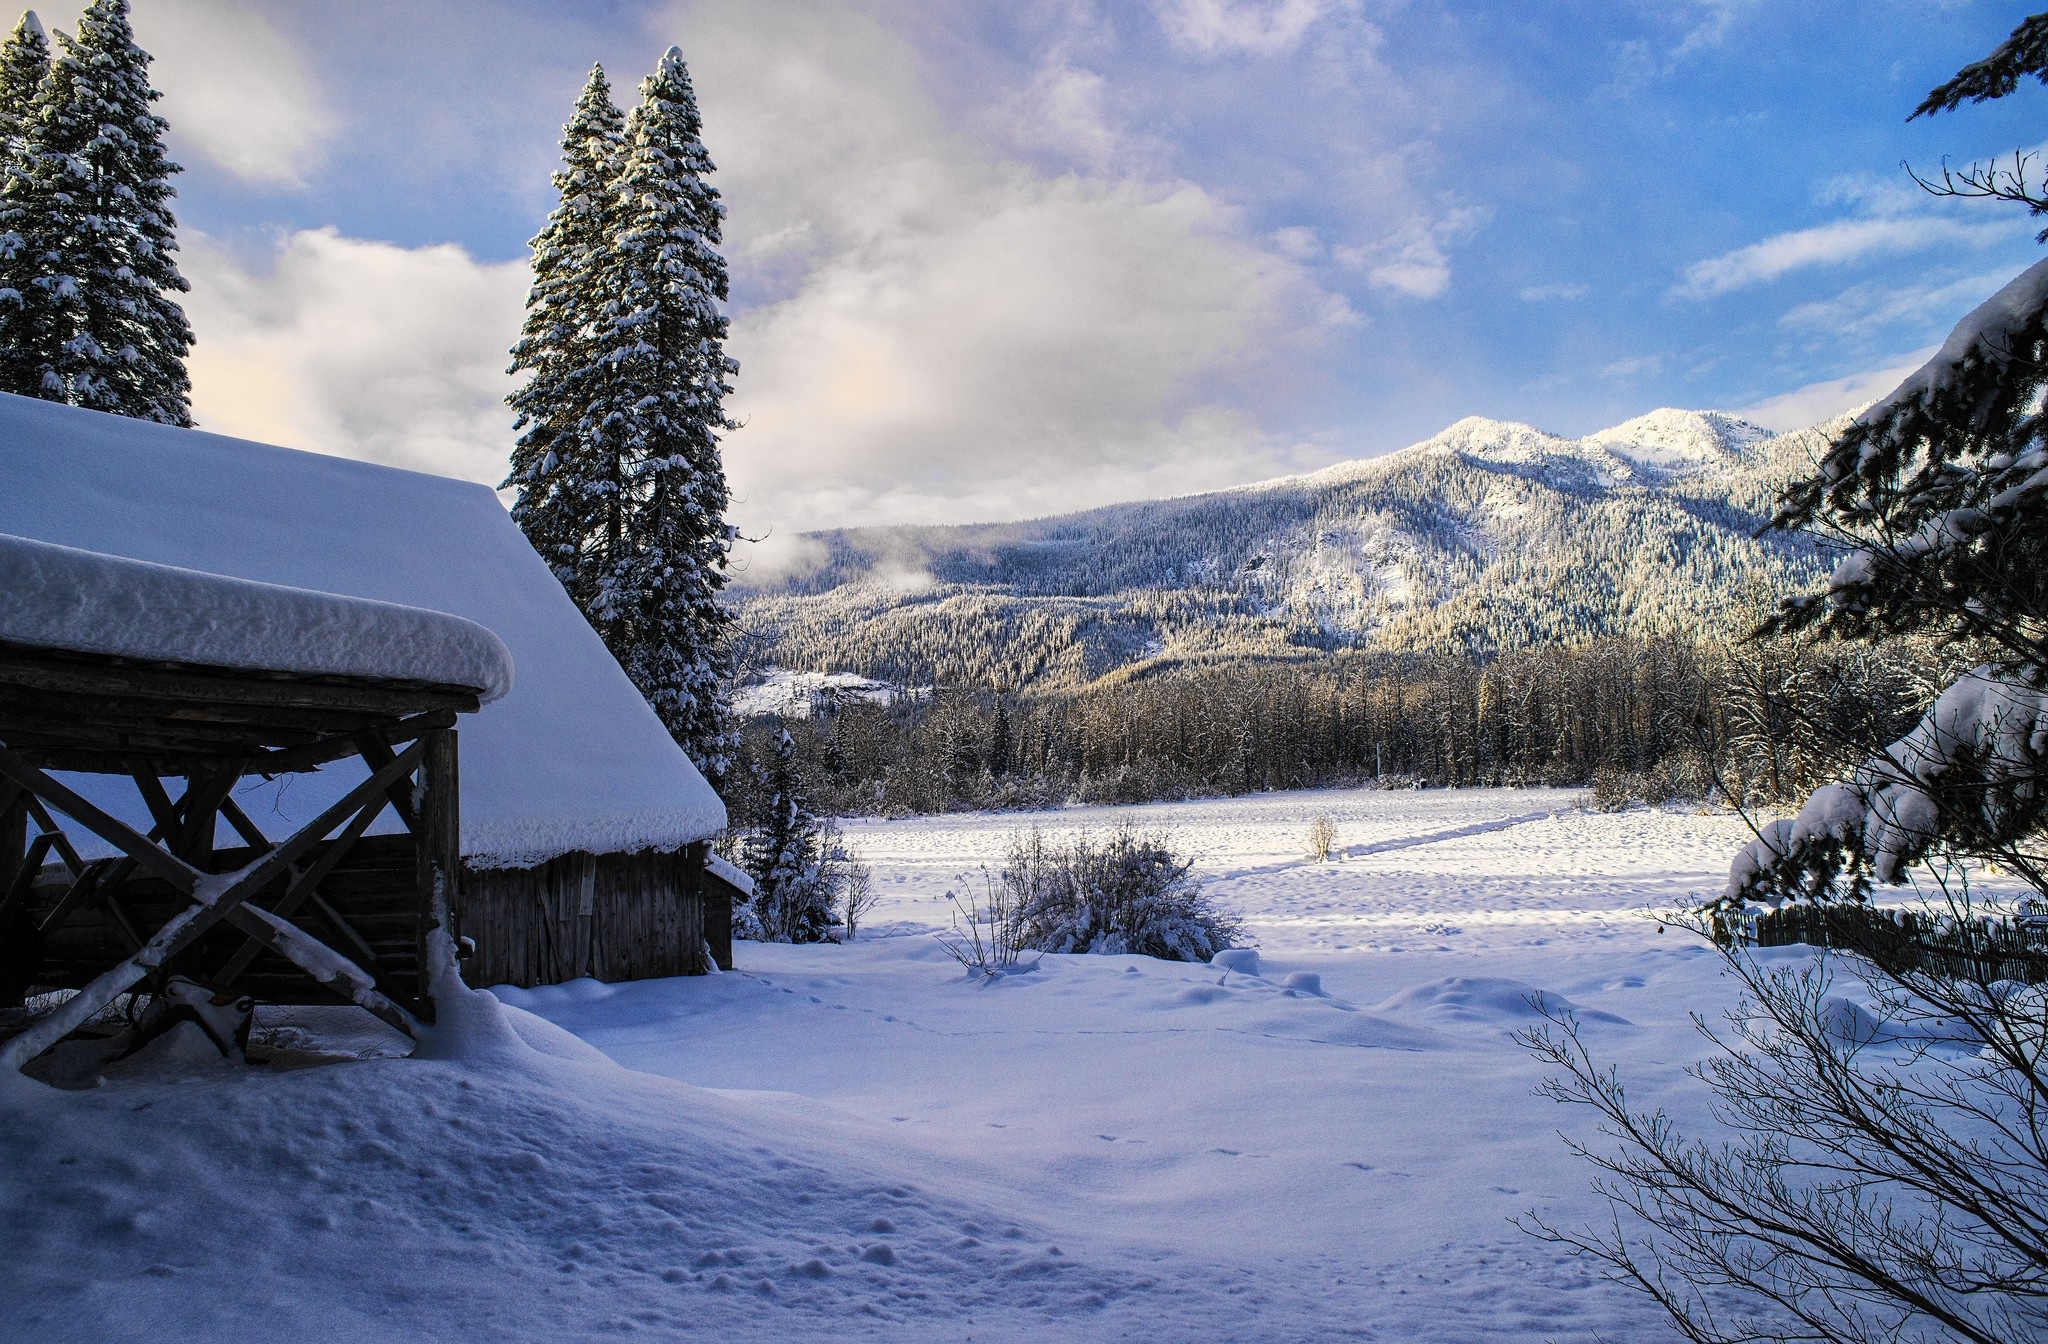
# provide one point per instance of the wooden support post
(17, 942)
(437, 811)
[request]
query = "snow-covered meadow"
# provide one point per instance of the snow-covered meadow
(862, 1142)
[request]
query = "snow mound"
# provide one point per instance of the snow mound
(60, 597)
(1485, 1001)
(1243, 960)
(386, 1198)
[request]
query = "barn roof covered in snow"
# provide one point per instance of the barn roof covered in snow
(60, 597)
(569, 759)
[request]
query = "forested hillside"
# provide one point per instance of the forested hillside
(1489, 537)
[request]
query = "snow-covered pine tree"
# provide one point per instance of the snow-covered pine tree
(571, 499)
(1938, 496)
(788, 856)
(24, 64)
(93, 209)
(660, 411)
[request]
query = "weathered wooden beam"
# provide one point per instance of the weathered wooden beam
(438, 841)
(114, 831)
(214, 899)
(193, 840)
(376, 752)
(39, 670)
(17, 857)
(244, 827)
(306, 883)
(82, 889)
(293, 760)
(322, 963)
(66, 854)
(119, 918)
(155, 797)
(15, 899)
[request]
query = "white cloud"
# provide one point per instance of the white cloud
(1815, 402)
(1239, 27)
(235, 88)
(360, 349)
(1834, 244)
(1540, 293)
(938, 334)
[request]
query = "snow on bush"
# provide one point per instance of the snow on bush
(1126, 893)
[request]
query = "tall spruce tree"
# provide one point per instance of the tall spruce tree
(571, 503)
(24, 65)
(97, 326)
(659, 413)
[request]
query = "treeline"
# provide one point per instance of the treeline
(1653, 718)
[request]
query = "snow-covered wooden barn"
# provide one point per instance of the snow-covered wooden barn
(583, 827)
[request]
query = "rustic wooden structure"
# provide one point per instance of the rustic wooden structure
(324, 914)
(606, 916)
(583, 824)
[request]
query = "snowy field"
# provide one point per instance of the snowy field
(861, 1142)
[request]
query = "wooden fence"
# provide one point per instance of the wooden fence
(1984, 948)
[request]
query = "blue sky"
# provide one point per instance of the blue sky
(996, 259)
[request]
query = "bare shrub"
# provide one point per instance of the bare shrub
(1879, 1172)
(984, 934)
(1128, 892)
(857, 896)
(1322, 838)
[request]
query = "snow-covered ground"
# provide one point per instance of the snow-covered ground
(862, 1142)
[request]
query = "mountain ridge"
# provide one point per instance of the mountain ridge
(1489, 535)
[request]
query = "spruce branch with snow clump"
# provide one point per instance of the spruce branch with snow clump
(1938, 497)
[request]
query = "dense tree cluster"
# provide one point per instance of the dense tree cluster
(86, 233)
(1767, 718)
(619, 481)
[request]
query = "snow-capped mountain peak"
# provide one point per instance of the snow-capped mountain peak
(1488, 535)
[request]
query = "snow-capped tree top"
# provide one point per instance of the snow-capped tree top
(30, 24)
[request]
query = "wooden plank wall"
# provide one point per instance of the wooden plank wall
(609, 917)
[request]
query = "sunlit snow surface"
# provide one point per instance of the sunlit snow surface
(862, 1142)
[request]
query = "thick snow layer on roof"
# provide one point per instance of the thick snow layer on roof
(571, 758)
(60, 597)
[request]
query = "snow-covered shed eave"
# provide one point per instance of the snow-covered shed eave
(498, 844)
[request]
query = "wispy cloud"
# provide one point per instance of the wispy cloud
(1543, 293)
(1862, 309)
(1834, 244)
(1414, 261)
(1239, 27)
(1639, 366)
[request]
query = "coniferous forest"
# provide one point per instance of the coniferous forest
(1634, 719)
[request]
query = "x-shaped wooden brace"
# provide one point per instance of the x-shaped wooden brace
(215, 897)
